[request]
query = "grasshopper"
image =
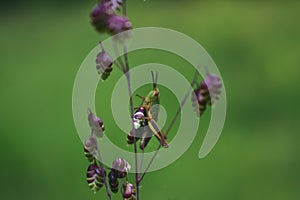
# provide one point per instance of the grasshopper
(145, 118)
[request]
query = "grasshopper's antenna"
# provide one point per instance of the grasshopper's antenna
(153, 79)
(156, 79)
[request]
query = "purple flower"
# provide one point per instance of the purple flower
(118, 24)
(212, 86)
(90, 148)
(104, 64)
(96, 124)
(121, 167)
(95, 178)
(103, 16)
(113, 182)
(129, 191)
(100, 15)
(115, 4)
(103, 61)
(207, 93)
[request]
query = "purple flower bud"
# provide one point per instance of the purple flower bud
(212, 85)
(103, 61)
(90, 148)
(118, 24)
(95, 178)
(121, 167)
(104, 64)
(115, 4)
(207, 93)
(96, 124)
(113, 182)
(99, 16)
(129, 191)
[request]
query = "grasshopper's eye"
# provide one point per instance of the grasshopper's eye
(156, 92)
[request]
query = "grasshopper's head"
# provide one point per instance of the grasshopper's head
(153, 95)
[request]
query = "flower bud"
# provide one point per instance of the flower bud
(96, 124)
(113, 182)
(115, 4)
(90, 148)
(211, 86)
(104, 64)
(99, 16)
(118, 24)
(207, 93)
(120, 167)
(129, 191)
(95, 178)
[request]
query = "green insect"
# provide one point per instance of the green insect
(151, 106)
(153, 98)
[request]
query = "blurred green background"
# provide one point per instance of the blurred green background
(256, 46)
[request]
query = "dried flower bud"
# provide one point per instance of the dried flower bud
(96, 124)
(129, 191)
(95, 177)
(207, 93)
(118, 24)
(104, 64)
(90, 148)
(113, 182)
(120, 167)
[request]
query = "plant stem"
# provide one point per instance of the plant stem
(178, 112)
(120, 62)
(137, 181)
(142, 160)
(132, 114)
(103, 173)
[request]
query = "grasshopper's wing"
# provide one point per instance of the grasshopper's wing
(147, 135)
(154, 110)
(134, 132)
(157, 132)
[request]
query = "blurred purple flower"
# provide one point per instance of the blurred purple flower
(100, 15)
(211, 86)
(207, 93)
(118, 24)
